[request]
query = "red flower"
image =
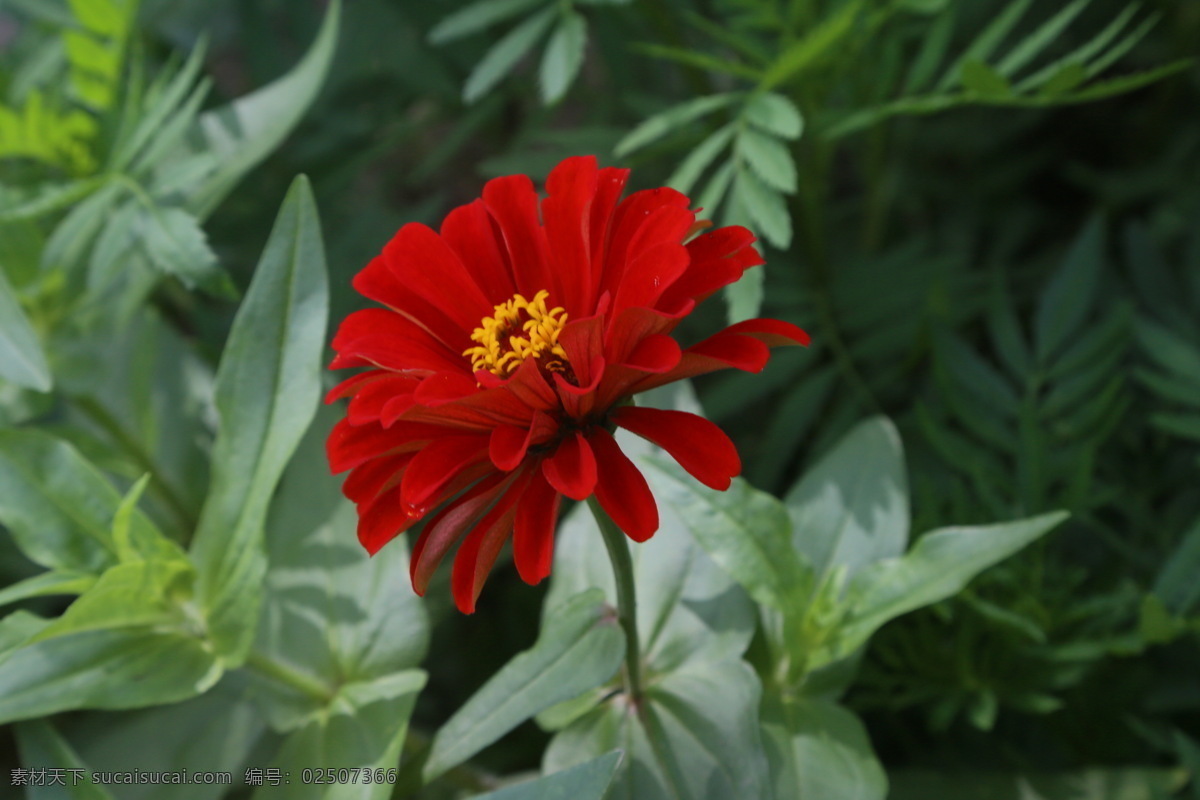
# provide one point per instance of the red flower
(509, 344)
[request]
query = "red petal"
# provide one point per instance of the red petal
(368, 404)
(698, 445)
(570, 188)
(609, 186)
(512, 202)
(353, 384)
(622, 489)
(426, 266)
(508, 445)
(381, 520)
(447, 526)
(469, 232)
(583, 341)
(478, 552)
(656, 353)
(436, 465)
(377, 281)
(572, 468)
(742, 346)
(650, 273)
(350, 445)
(384, 338)
(366, 481)
(533, 537)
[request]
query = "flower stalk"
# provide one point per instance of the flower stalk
(618, 553)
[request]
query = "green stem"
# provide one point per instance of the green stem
(281, 673)
(618, 553)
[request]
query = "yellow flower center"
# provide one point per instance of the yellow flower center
(519, 329)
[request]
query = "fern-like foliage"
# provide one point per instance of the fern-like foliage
(1022, 431)
(38, 131)
(988, 73)
(46, 128)
(561, 60)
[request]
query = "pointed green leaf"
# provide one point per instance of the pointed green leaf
(588, 781)
(476, 17)
(819, 751)
(1045, 34)
(563, 57)
(775, 114)
(688, 172)
(42, 747)
(766, 208)
(47, 583)
(851, 508)
(659, 125)
(580, 647)
(21, 358)
(504, 55)
(981, 79)
(267, 390)
(939, 566)
(769, 158)
(1067, 299)
(243, 133)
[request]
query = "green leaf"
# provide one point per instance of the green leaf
(1133, 783)
(745, 297)
(60, 509)
(504, 55)
(699, 60)
(215, 732)
(688, 608)
(331, 613)
(140, 593)
(42, 747)
(563, 56)
(747, 532)
(688, 172)
(695, 736)
(769, 158)
(812, 48)
(659, 125)
(476, 17)
(978, 77)
(363, 730)
(1065, 78)
(851, 508)
(580, 647)
(1176, 583)
(588, 781)
(243, 133)
(819, 751)
(47, 583)
(72, 238)
(1040, 39)
(939, 566)
(175, 244)
(267, 390)
(775, 114)
(986, 42)
(1068, 297)
(766, 208)
(21, 358)
(108, 668)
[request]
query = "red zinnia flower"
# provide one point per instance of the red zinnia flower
(509, 344)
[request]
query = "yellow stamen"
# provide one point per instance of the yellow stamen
(502, 347)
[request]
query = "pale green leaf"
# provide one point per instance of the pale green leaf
(745, 297)
(939, 566)
(174, 243)
(659, 125)
(476, 17)
(563, 56)
(47, 583)
(588, 781)
(580, 647)
(504, 55)
(243, 133)
(689, 171)
(769, 158)
(267, 390)
(747, 532)
(819, 751)
(766, 208)
(851, 508)
(1041, 38)
(695, 736)
(775, 114)
(21, 357)
(42, 747)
